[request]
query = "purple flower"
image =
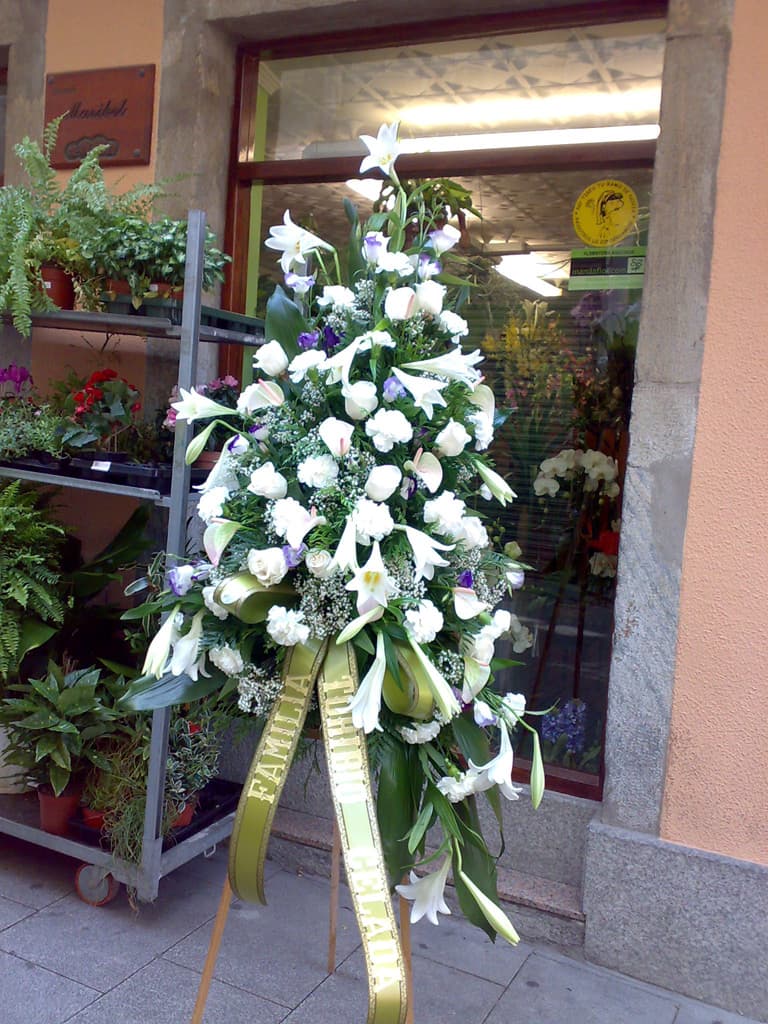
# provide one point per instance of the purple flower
(293, 556)
(570, 722)
(308, 339)
(392, 389)
(465, 579)
(238, 445)
(180, 579)
(408, 488)
(428, 267)
(331, 339)
(300, 285)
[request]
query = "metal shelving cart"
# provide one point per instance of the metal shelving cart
(97, 878)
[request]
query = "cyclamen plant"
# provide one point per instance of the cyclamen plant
(348, 491)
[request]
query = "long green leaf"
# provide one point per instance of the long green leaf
(394, 809)
(148, 693)
(477, 864)
(284, 321)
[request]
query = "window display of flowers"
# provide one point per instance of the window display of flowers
(343, 509)
(100, 408)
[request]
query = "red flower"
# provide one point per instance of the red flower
(136, 406)
(79, 396)
(607, 542)
(193, 728)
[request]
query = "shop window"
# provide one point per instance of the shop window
(560, 357)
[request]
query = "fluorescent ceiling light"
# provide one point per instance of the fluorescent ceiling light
(571, 106)
(531, 269)
(495, 140)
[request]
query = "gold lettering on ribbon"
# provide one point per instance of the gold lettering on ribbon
(353, 800)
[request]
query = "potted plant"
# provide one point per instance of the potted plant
(53, 725)
(225, 391)
(27, 426)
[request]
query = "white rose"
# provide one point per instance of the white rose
(382, 482)
(268, 565)
(271, 359)
(229, 660)
(317, 471)
(266, 482)
(400, 303)
(424, 622)
(287, 627)
(317, 561)
(429, 297)
(372, 521)
(360, 399)
(452, 439)
(473, 533)
(502, 621)
(211, 503)
(213, 606)
(388, 428)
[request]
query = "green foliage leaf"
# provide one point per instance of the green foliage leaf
(395, 809)
(284, 321)
(59, 777)
(148, 693)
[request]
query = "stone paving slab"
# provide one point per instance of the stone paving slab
(32, 995)
(33, 875)
(11, 912)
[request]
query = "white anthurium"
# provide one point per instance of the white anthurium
(193, 406)
(372, 582)
(366, 703)
(427, 468)
(495, 483)
(294, 242)
(353, 628)
(336, 435)
(375, 339)
(427, 894)
(263, 394)
(476, 675)
(442, 693)
(400, 304)
(338, 366)
(424, 391)
(336, 295)
(454, 365)
(499, 768)
(425, 552)
(382, 482)
(271, 359)
(186, 658)
(383, 150)
(493, 914)
(159, 650)
(444, 238)
(266, 482)
(429, 297)
(452, 439)
(467, 604)
(360, 399)
(345, 556)
(216, 538)
(300, 365)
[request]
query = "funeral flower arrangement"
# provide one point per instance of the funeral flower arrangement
(349, 507)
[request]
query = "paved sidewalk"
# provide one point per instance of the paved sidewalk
(63, 961)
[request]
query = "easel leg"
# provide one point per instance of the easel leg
(213, 952)
(334, 911)
(405, 940)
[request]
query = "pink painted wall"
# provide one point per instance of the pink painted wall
(716, 795)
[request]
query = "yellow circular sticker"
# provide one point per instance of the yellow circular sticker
(605, 212)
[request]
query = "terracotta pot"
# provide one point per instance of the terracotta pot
(184, 817)
(58, 286)
(55, 811)
(93, 819)
(207, 460)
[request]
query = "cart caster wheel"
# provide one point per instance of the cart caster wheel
(96, 886)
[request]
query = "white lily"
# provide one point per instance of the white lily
(338, 367)
(337, 435)
(496, 484)
(222, 475)
(427, 467)
(372, 582)
(159, 650)
(493, 914)
(376, 339)
(186, 658)
(193, 406)
(425, 391)
(425, 552)
(366, 703)
(263, 394)
(467, 604)
(476, 675)
(294, 242)
(353, 628)
(427, 894)
(345, 556)
(383, 150)
(499, 769)
(382, 482)
(455, 365)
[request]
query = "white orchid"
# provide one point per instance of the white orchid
(383, 150)
(336, 435)
(186, 658)
(427, 894)
(545, 485)
(294, 242)
(194, 406)
(453, 365)
(372, 582)
(425, 391)
(158, 652)
(425, 552)
(366, 703)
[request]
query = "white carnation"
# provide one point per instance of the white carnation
(473, 533)
(454, 324)
(446, 513)
(424, 622)
(228, 659)
(318, 471)
(301, 364)
(422, 732)
(286, 626)
(388, 428)
(372, 521)
(211, 503)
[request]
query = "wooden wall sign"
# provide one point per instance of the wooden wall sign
(108, 106)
